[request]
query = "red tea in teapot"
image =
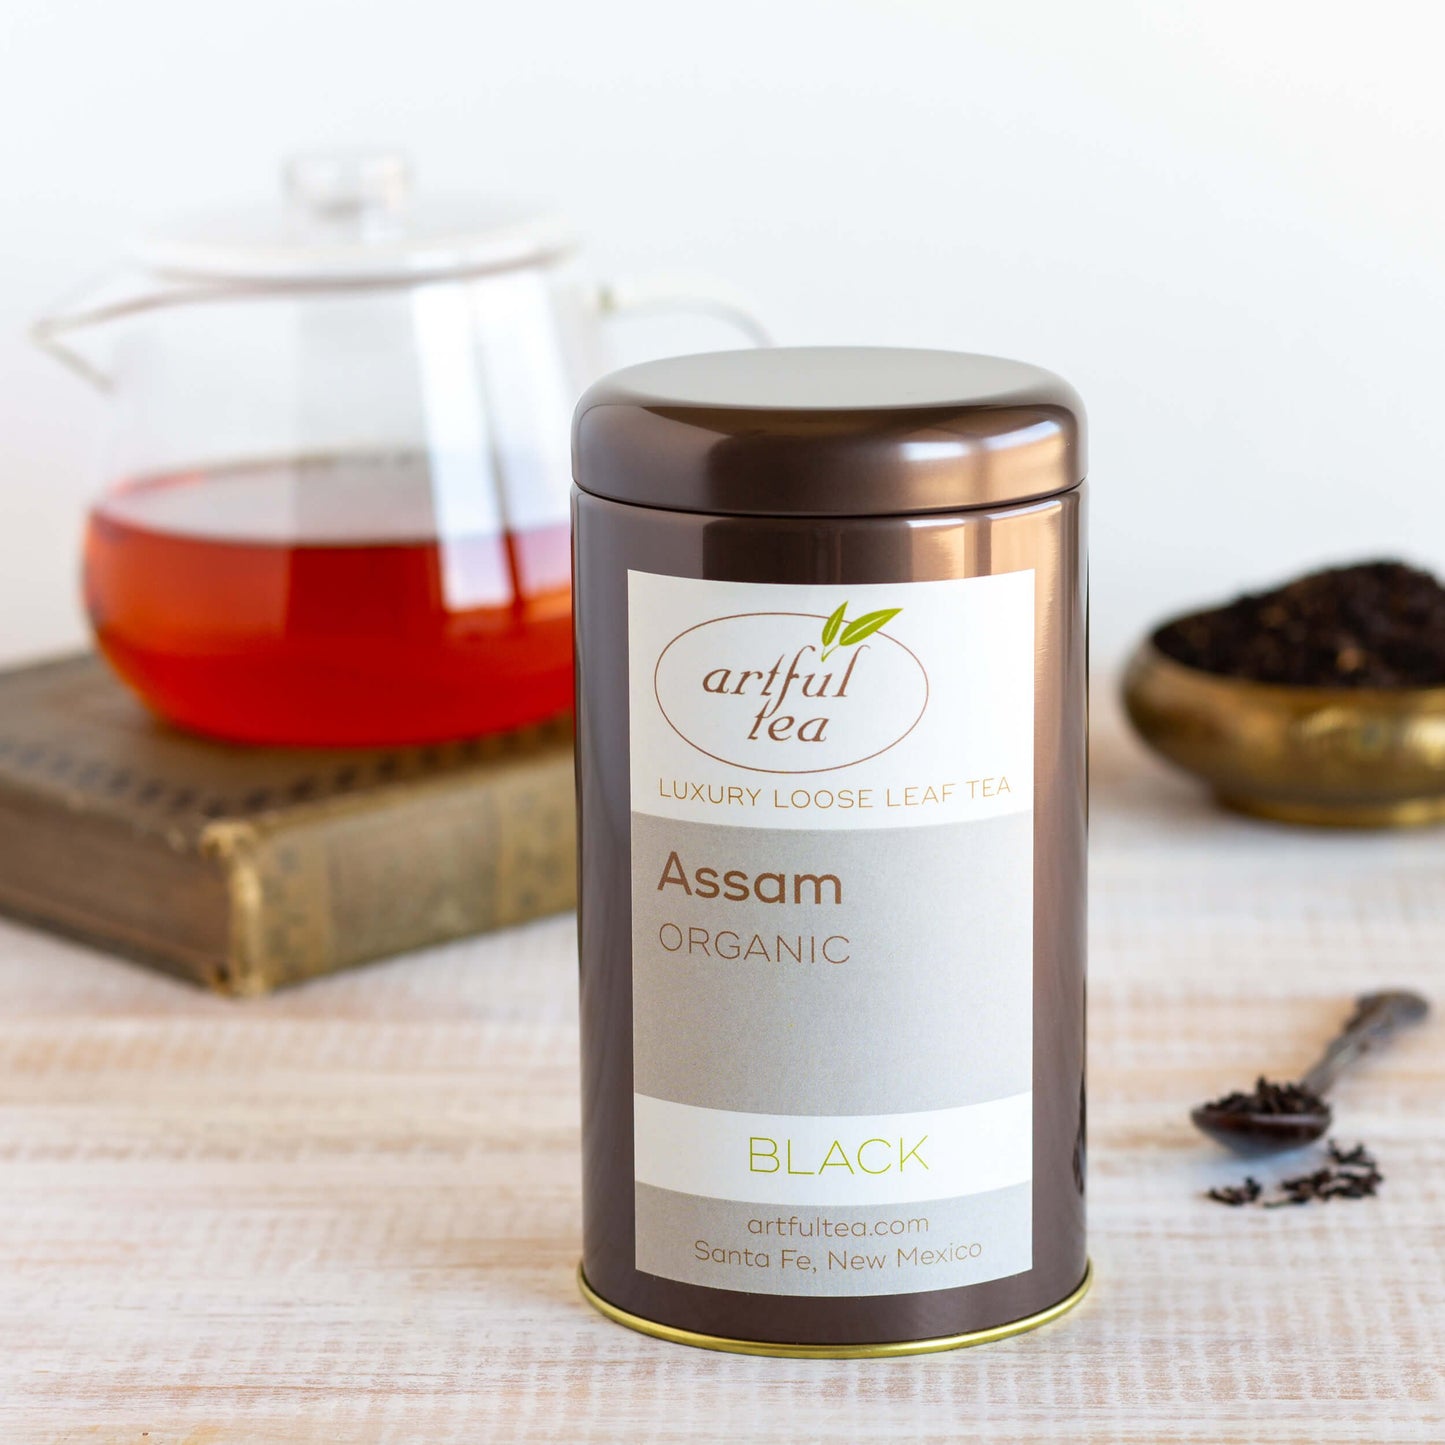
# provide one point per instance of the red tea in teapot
(332, 601)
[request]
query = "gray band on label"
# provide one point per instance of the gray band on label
(920, 1016)
(841, 1250)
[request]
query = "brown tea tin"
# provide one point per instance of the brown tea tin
(831, 729)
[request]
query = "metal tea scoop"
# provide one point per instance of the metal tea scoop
(1273, 1117)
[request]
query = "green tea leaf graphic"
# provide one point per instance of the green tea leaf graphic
(867, 625)
(831, 626)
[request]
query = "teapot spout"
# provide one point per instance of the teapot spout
(59, 332)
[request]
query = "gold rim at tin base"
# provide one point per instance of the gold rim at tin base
(674, 1335)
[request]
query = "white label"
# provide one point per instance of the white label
(832, 906)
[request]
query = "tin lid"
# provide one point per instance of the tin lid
(828, 431)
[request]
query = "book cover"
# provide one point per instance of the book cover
(248, 868)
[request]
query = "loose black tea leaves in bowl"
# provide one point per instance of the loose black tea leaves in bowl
(1374, 624)
(1347, 1174)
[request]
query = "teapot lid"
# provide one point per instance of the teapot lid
(349, 216)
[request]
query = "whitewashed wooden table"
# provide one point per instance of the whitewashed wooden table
(350, 1212)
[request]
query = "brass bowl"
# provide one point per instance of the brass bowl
(1343, 757)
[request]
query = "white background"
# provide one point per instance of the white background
(1222, 221)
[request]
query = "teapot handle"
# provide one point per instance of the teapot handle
(686, 294)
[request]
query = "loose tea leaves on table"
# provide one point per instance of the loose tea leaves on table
(1349, 1174)
(1270, 1098)
(1237, 1194)
(1374, 624)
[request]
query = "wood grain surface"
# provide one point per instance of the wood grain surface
(350, 1212)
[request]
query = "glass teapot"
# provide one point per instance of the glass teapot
(335, 503)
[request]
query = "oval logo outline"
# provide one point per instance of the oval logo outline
(785, 772)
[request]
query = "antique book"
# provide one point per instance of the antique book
(247, 868)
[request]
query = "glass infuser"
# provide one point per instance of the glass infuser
(336, 481)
